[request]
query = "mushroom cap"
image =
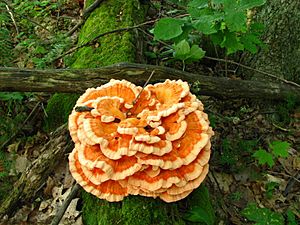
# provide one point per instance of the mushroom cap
(92, 158)
(153, 142)
(110, 190)
(108, 108)
(169, 92)
(154, 179)
(115, 88)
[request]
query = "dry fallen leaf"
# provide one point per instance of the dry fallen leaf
(21, 163)
(282, 183)
(296, 163)
(13, 147)
(49, 186)
(224, 181)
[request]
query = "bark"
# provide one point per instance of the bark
(77, 81)
(35, 176)
(282, 37)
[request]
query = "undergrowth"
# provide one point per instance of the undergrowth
(6, 42)
(31, 36)
(6, 164)
(12, 114)
(225, 23)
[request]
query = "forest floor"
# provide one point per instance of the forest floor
(254, 166)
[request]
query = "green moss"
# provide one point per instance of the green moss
(112, 48)
(58, 109)
(133, 210)
(138, 210)
(97, 211)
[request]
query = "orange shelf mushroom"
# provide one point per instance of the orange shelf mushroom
(153, 142)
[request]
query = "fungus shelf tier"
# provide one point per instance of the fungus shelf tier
(153, 142)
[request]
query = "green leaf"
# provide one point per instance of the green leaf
(205, 24)
(168, 28)
(257, 27)
(195, 54)
(262, 216)
(182, 50)
(291, 217)
(7, 96)
(280, 148)
(199, 215)
(201, 209)
(264, 157)
(180, 2)
(151, 55)
(249, 4)
(250, 42)
(199, 4)
(218, 1)
(236, 21)
(247, 145)
(186, 28)
(217, 38)
(232, 43)
(196, 12)
(230, 6)
(40, 50)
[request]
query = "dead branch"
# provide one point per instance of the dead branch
(36, 174)
(65, 204)
(78, 80)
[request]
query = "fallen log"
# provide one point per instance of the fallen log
(78, 80)
(35, 175)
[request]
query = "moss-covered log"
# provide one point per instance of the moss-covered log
(35, 175)
(77, 81)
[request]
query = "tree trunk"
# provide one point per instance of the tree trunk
(77, 81)
(282, 37)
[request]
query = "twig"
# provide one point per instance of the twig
(286, 175)
(226, 66)
(291, 183)
(146, 83)
(91, 42)
(36, 23)
(84, 16)
(232, 62)
(253, 69)
(70, 32)
(280, 128)
(20, 127)
(25, 17)
(12, 17)
(220, 192)
(91, 8)
(65, 205)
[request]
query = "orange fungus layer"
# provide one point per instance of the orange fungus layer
(152, 141)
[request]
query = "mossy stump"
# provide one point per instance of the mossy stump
(110, 49)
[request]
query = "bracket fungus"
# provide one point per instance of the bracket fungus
(152, 141)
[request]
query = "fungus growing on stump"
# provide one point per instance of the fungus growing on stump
(153, 142)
